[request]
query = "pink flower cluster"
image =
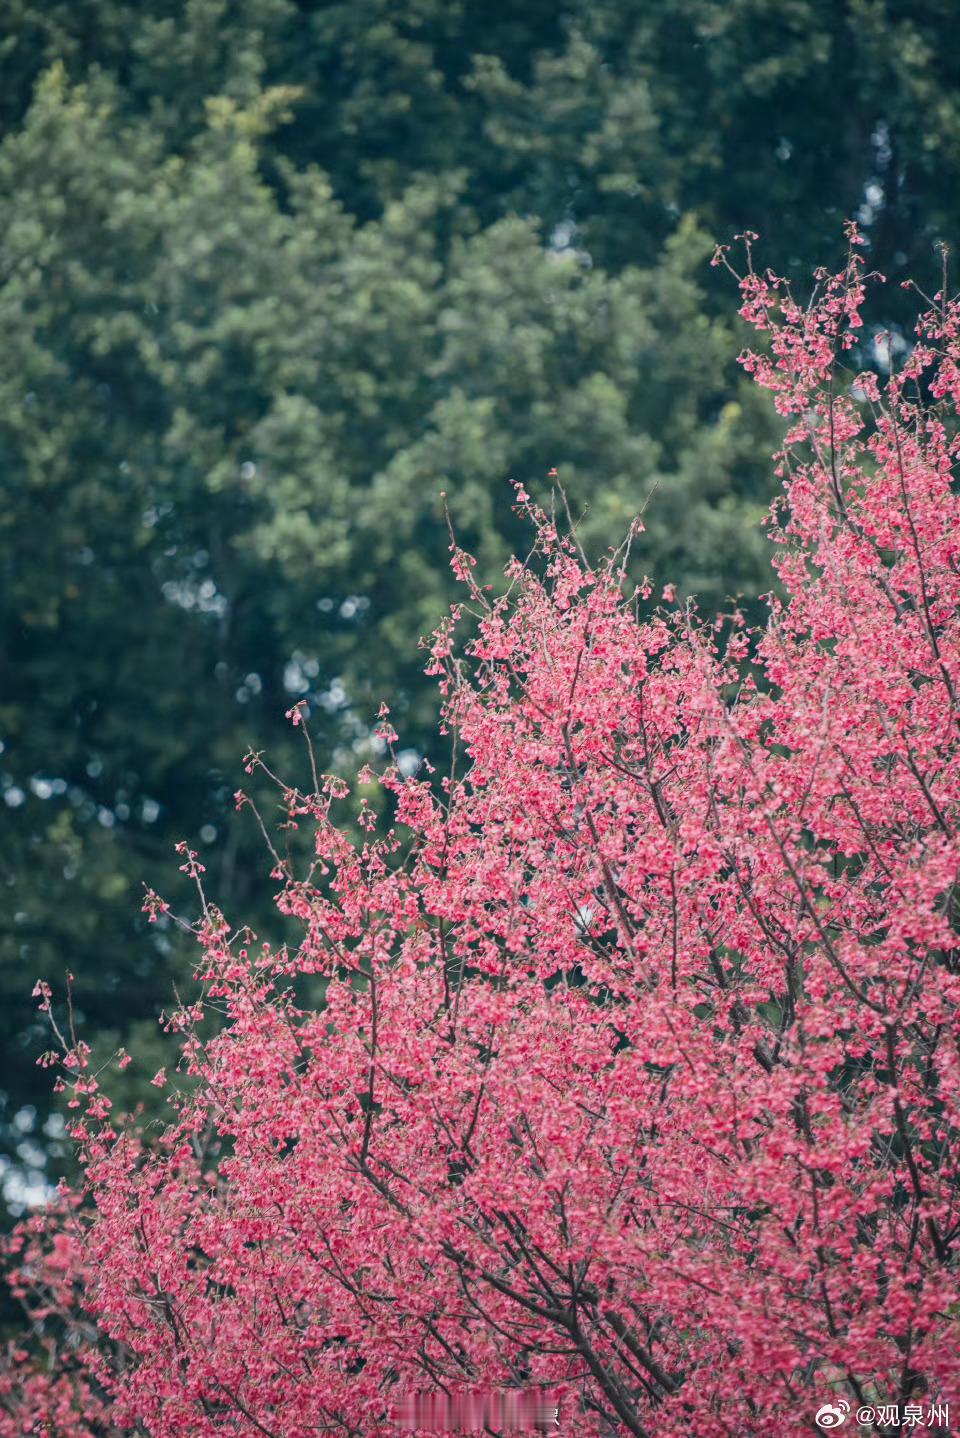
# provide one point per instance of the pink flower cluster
(636, 1075)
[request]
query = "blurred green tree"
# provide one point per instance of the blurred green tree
(272, 276)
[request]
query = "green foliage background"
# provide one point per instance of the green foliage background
(272, 276)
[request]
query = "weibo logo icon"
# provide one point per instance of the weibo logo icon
(831, 1415)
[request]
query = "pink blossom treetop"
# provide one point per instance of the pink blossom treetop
(637, 1074)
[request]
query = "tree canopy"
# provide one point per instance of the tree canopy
(634, 1088)
(273, 275)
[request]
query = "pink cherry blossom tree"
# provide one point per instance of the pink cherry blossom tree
(636, 1077)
